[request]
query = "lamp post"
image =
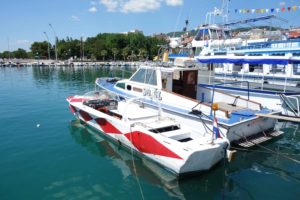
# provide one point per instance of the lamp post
(48, 45)
(55, 40)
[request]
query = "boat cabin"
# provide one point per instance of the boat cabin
(182, 81)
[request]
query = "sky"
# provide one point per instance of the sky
(24, 21)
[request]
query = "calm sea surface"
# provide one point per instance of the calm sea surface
(46, 154)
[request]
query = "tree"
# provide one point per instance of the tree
(20, 53)
(142, 53)
(102, 46)
(103, 53)
(125, 53)
(6, 54)
(115, 51)
(40, 48)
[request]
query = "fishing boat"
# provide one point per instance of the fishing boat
(237, 75)
(180, 97)
(150, 134)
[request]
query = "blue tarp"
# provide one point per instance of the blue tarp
(177, 55)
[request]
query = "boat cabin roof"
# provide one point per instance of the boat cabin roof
(167, 69)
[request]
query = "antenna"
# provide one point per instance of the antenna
(223, 13)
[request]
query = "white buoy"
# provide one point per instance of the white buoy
(38, 125)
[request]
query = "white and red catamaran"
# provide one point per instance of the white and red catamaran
(179, 148)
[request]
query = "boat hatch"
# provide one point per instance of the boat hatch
(164, 129)
(173, 132)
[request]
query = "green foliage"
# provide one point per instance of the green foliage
(40, 49)
(6, 54)
(121, 46)
(20, 53)
(104, 46)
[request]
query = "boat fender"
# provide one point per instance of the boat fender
(230, 155)
(215, 106)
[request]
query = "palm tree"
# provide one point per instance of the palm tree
(115, 51)
(125, 52)
(142, 53)
(103, 53)
(132, 56)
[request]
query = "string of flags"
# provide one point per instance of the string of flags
(267, 10)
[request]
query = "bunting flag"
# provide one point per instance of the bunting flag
(282, 8)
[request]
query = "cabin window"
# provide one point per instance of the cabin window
(296, 69)
(128, 87)
(256, 68)
(147, 76)
(120, 85)
(278, 69)
(237, 67)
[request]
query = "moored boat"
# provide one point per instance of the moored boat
(270, 80)
(180, 97)
(160, 138)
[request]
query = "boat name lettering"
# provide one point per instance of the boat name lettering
(155, 94)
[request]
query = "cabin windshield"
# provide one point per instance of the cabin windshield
(147, 76)
(227, 35)
(214, 34)
(203, 34)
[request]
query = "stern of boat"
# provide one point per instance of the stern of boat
(205, 158)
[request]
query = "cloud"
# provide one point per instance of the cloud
(93, 9)
(140, 6)
(174, 2)
(137, 6)
(22, 42)
(111, 5)
(75, 18)
(282, 3)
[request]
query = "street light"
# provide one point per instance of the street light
(55, 40)
(48, 45)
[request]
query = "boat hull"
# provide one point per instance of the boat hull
(179, 158)
(270, 100)
(240, 126)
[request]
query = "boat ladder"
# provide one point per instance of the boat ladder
(258, 138)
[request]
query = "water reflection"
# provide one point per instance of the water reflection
(79, 74)
(207, 185)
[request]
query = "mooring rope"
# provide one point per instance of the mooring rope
(134, 168)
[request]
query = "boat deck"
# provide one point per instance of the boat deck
(228, 107)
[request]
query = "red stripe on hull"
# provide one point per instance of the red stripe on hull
(106, 126)
(74, 100)
(72, 108)
(85, 115)
(147, 144)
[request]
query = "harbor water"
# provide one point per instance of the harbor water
(46, 154)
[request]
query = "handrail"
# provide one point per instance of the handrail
(214, 87)
(285, 100)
